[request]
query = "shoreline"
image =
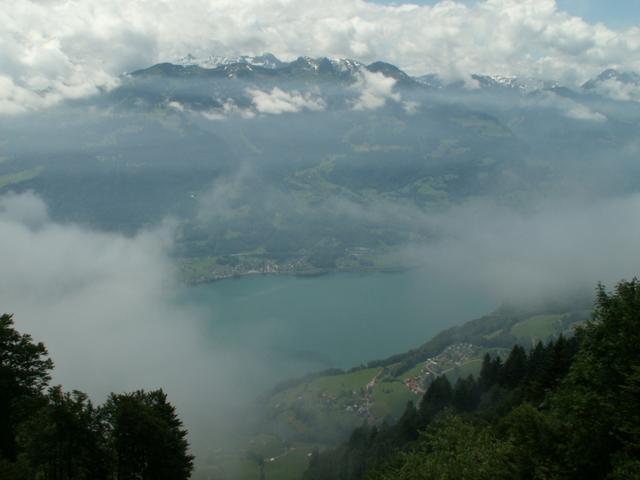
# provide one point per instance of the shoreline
(299, 274)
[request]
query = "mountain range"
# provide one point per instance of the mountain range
(267, 65)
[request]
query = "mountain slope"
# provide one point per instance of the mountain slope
(320, 410)
(567, 409)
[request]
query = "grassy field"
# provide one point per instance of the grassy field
(324, 408)
(462, 371)
(290, 466)
(414, 372)
(484, 125)
(349, 381)
(332, 385)
(240, 458)
(19, 177)
(538, 327)
(390, 399)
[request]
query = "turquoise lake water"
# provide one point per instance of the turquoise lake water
(303, 324)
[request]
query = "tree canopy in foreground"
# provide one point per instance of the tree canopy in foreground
(46, 433)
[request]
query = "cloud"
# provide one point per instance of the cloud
(618, 90)
(556, 249)
(69, 49)
(26, 209)
(558, 246)
(411, 107)
(278, 101)
(102, 290)
(566, 106)
(175, 105)
(274, 102)
(229, 108)
(578, 111)
(375, 89)
(109, 303)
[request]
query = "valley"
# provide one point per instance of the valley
(292, 248)
(251, 191)
(322, 409)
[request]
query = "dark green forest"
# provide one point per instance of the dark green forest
(49, 434)
(567, 409)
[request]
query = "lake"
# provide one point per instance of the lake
(302, 324)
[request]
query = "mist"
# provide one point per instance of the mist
(106, 307)
(113, 208)
(560, 250)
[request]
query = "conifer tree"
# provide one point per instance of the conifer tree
(437, 397)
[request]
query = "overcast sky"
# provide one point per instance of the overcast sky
(614, 13)
(56, 49)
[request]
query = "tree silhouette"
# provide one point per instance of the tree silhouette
(147, 437)
(24, 373)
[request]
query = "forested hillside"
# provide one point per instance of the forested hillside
(565, 409)
(320, 410)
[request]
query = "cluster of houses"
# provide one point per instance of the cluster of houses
(414, 385)
(451, 357)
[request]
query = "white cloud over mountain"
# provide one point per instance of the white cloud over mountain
(278, 101)
(59, 49)
(618, 90)
(568, 107)
(375, 89)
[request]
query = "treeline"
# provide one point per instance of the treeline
(569, 409)
(49, 434)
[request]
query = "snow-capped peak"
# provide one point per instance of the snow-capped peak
(346, 65)
(266, 60)
(524, 84)
(613, 75)
(615, 84)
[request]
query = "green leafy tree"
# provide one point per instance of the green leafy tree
(537, 441)
(24, 373)
(65, 439)
(147, 437)
(452, 448)
(598, 400)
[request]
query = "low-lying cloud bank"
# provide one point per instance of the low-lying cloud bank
(67, 49)
(566, 106)
(561, 244)
(557, 249)
(107, 307)
(278, 101)
(273, 102)
(106, 304)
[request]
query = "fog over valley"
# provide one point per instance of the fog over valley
(289, 244)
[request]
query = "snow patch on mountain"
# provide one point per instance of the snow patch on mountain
(266, 60)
